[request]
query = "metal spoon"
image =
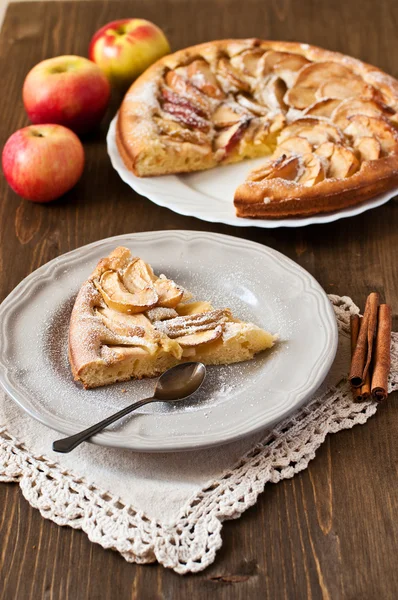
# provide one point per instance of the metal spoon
(177, 383)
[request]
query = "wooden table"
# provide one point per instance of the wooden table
(330, 532)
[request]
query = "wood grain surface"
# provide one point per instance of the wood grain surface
(330, 532)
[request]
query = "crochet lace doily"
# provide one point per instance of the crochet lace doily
(190, 543)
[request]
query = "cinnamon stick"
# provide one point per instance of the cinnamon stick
(382, 358)
(363, 392)
(355, 325)
(365, 387)
(364, 348)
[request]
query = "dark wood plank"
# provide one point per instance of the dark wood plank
(329, 532)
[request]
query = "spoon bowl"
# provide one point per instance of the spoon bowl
(179, 382)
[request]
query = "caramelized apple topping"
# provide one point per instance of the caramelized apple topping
(359, 106)
(310, 78)
(117, 296)
(272, 93)
(312, 170)
(197, 339)
(169, 293)
(176, 131)
(322, 108)
(204, 79)
(182, 87)
(342, 161)
(228, 139)
(114, 321)
(173, 98)
(329, 119)
(227, 114)
(314, 130)
(248, 61)
(368, 148)
(345, 88)
(285, 64)
(295, 145)
(306, 170)
(187, 116)
(252, 105)
(190, 324)
(284, 167)
(233, 80)
(161, 313)
(376, 127)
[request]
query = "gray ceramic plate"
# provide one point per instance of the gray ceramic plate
(257, 282)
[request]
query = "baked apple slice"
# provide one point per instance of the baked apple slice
(228, 139)
(322, 108)
(359, 106)
(117, 325)
(252, 105)
(173, 98)
(310, 78)
(316, 131)
(376, 127)
(345, 88)
(227, 114)
(315, 74)
(182, 87)
(197, 339)
(169, 293)
(284, 167)
(137, 275)
(176, 131)
(203, 78)
(231, 77)
(186, 116)
(306, 170)
(118, 297)
(293, 146)
(274, 60)
(342, 162)
(312, 170)
(368, 148)
(272, 93)
(193, 323)
(285, 64)
(300, 97)
(247, 62)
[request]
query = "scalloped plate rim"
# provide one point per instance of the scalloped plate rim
(18, 295)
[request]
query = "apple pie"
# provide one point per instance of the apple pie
(326, 123)
(129, 323)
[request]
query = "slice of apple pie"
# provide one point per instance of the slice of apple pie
(129, 323)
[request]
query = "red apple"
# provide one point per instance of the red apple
(42, 162)
(124, 49)
(67, 90)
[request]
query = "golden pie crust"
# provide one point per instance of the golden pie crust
(129, 323)
(325, 123)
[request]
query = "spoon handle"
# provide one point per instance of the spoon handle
(69, 443)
